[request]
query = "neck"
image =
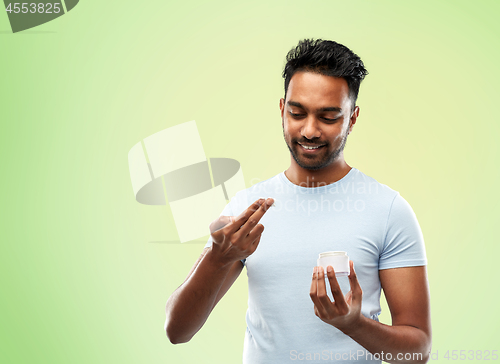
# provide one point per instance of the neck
(317, 178)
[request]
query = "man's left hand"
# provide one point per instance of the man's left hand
(345, 311)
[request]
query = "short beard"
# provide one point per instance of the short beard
(322, 163)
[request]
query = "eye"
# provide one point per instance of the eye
(330, 120)
(296, 116)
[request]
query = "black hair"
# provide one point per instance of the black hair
(328, 58)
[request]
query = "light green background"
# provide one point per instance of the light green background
(84, 275)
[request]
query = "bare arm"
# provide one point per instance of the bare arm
(214, 272)
(408, 340)
(189, 306)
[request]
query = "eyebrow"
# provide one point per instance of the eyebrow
(330, 108)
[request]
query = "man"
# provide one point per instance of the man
(321, 204)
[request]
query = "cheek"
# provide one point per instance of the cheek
(290, 128)
(336, 135)
(286, 127)
(342, 129)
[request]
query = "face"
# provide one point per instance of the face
(316, 118)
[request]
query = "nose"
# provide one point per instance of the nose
(310, 129)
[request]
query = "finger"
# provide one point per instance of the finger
(316, 312)
(255, 244)
(338, 296)
(330, 307)
(255, 234)
(220, 222)
(357, 293)
(245, 215)
(348, 298)
(254, 219)
(313, 293)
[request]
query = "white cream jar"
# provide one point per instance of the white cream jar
(338, 260)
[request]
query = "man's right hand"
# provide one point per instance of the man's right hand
(235, 238)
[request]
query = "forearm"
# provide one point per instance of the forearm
(189, 306)
(393, 341)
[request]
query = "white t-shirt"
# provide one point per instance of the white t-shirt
(368, 220)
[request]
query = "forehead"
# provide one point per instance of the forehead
(314, 90)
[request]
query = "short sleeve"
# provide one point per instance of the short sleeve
(227, 211)
(404, 242)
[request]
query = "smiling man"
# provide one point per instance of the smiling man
(320, 204)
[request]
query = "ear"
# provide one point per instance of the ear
(282, 110)
(354, 117)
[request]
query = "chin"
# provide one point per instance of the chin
(313, 166)
(310, 165)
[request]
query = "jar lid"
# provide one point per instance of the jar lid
(329, 254)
